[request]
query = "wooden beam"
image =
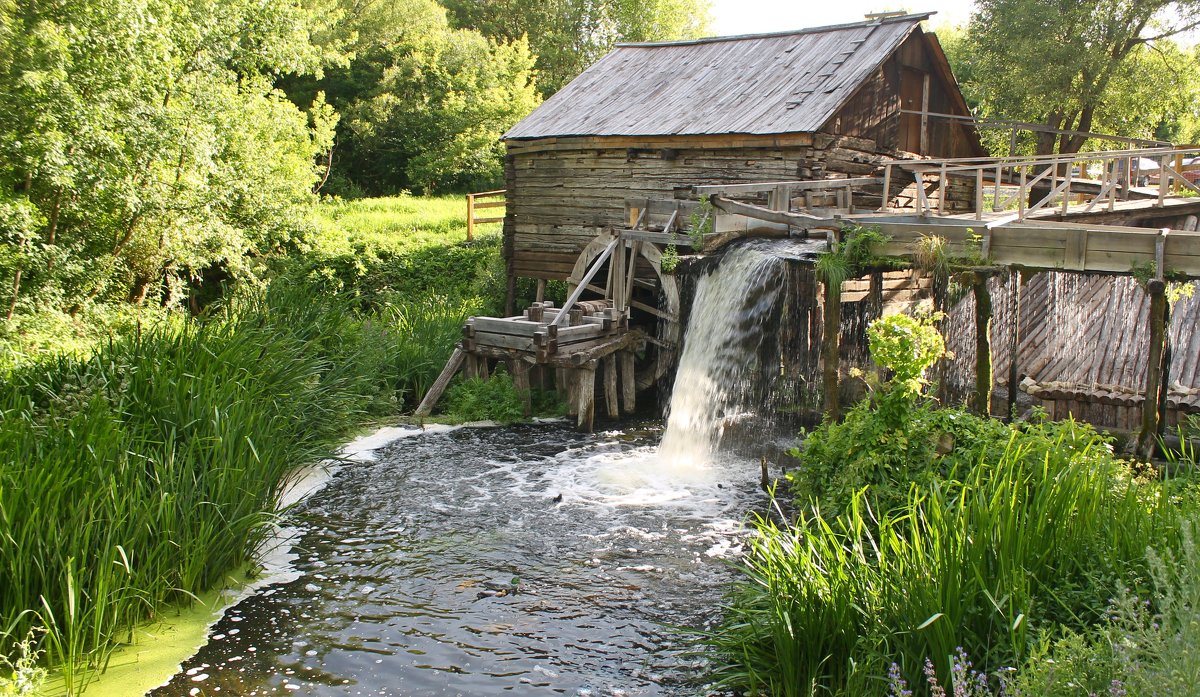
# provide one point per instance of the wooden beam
(587, 278)
(801, 220)
(439, 385)
(982, 402)
(1014, 343)
(610, 386)
(628, 381)
(804, 185)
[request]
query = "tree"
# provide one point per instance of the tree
(141, 142)
(436, 117)
(569, 35)
(425, 104)
(1075, 66)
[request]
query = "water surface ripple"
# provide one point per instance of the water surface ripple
(525, 560)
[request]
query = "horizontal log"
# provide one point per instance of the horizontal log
(495, 325)
(504, 341)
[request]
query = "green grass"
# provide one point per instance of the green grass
(137, 476)
(142, 451)
(396, 223)
(402, 245)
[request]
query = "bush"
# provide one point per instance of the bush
(1142, 647)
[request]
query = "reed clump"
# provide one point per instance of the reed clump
(138, 476)
(903, 551)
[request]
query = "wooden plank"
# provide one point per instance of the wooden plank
(504, 341)
(489, 204)
(796, 185)
(582, 283)
(628, 381)
(517, 327)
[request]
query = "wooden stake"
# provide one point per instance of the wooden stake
(585, 389)
(520, 377)
(1014, 343)
(610, 386)
(830, 349)
(439, 385)
(983, 346)
(1158, 315)
(628, 382)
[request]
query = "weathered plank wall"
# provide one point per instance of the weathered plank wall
(563, 191)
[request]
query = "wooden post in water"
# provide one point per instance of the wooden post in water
(519, 370)
(628, 382)
(982, 400)
(585, 389)
(611, 404)
(1154, 366)
(439, 385)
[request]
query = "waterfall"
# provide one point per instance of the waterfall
(731, 351)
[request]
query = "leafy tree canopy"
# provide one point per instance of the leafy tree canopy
(569, 35)
(1103, 66)
(141, 141)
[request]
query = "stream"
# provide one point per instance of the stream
(520, 560)
(528, 559)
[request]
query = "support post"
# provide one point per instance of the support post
(1014, 342)
(585, 389)
(611, 405)
(982, 401)
(1154, 368)
(470, 217)
(830, 350)
(568, 389)
(628, 382)
(439, 385)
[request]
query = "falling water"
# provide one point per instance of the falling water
(730, 351)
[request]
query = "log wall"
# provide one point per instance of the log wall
(563, 191)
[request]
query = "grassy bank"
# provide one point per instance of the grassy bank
(931, 550)
(142, 451)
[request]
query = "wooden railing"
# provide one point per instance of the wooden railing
(1098, 178)
(474, 204)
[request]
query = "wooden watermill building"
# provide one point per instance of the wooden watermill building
(649, 119)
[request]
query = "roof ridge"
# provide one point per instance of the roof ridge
(914, 17)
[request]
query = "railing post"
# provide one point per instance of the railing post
(942, 191)
(470, 217)
(886, 203)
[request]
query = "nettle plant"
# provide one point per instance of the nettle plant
(907, 347)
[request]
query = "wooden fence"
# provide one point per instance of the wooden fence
(475, 204)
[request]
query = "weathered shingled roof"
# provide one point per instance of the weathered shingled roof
(788, 82)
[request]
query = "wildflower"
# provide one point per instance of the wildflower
(897, 686)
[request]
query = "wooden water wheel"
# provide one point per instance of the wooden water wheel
(636, 281)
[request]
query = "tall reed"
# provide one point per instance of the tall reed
(141, 475)
(1040, 538)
